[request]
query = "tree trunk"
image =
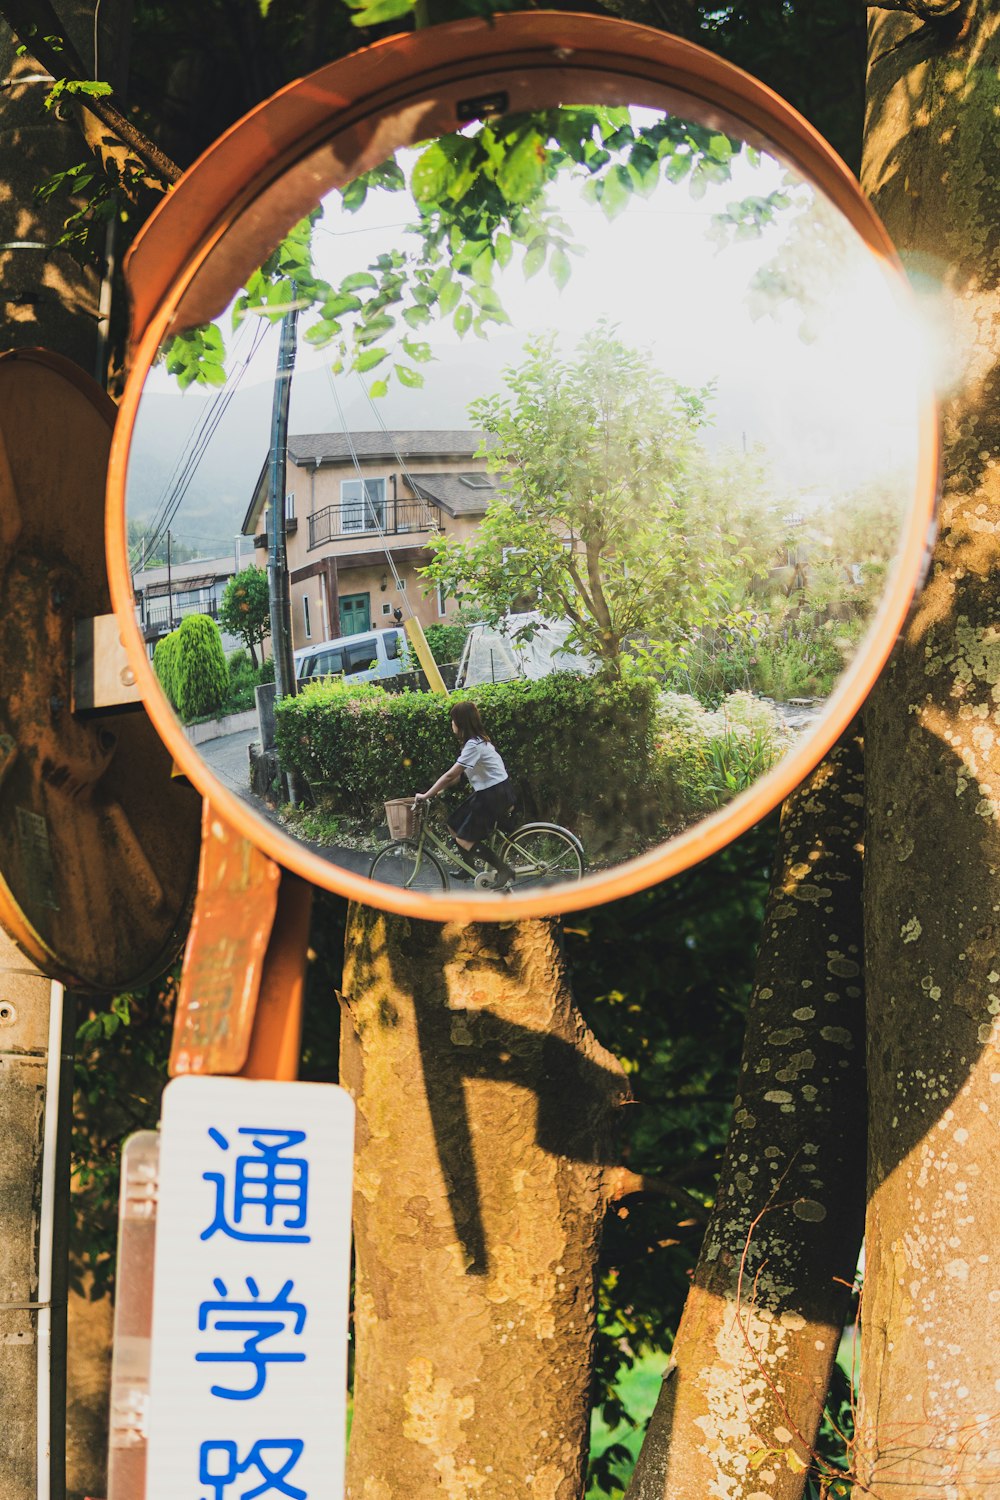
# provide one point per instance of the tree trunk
(483, 1174)
(931, 1311)
(49, 299)
(744, 1391)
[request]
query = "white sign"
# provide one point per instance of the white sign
(250, 1296)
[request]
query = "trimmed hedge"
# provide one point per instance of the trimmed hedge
(164, 665)
(579, 750)
(197, 669)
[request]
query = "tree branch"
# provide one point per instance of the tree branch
(622, 1182)
(927, 10)
(36, 24)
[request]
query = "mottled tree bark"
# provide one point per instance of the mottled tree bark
(931, 1314)
(483, 1174)
(744, 1391)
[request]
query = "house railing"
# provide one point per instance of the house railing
(391, 517)
(156, 616)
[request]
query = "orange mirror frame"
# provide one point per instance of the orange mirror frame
(225, 215)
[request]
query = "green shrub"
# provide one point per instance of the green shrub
(200, 674)
(243, 678)
(446, 642)
(800, 666)
(704, 758)
(164, 665)
(579, 750)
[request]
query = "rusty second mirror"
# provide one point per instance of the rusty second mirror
(574, 381)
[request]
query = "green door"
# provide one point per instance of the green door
(355, 613)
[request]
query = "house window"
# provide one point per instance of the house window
(387, 609)
(362, 504)
(402, 585)
(305, 615)
(290, 506)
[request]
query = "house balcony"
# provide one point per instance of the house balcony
(291, 527)
(390, 518)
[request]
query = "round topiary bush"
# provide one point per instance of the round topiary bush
(200, 673)
(164, 665)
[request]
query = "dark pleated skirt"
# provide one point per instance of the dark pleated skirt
(479, 814)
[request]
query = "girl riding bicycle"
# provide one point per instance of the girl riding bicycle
(492, 796)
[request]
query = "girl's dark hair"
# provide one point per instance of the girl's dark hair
(465, 717)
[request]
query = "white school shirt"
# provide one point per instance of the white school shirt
(482, 763)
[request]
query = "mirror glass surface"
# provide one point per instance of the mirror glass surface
(616, 405)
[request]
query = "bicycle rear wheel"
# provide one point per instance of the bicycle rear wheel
(405, 864)
(543, 854)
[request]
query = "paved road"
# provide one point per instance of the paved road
(229, 761)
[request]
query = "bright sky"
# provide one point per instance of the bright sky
(831, 409)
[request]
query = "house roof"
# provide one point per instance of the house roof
(454, 494)
(333, 447)
(197, 573)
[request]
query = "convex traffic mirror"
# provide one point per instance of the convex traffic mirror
(601, 384)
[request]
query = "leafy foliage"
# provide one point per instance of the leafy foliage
(120, 1070)
(672, 1010)
(245, 610)
(358, 746)
(482, 201)
(165, 666)
(199, 673)
(595, 518)
(707, 758)
(446, 642)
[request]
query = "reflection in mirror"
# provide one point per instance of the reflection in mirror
(616, 407)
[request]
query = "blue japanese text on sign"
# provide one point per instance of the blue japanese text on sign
(250, 1303)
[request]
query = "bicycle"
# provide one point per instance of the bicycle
(537, 853)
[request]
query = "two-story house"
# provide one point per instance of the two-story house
(345, 519)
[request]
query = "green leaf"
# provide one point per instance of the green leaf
(617, 192)
(503, 249)
(416, 316)
(354, 194)
(410, 378)
(430, 175)
(463, 317)
(322, 332)
(378, 388)
(534, 260)
(339, 303)
(523, 170)
(369, 359)
(373, 328)
(382, 10)
(357, 279)
(419, 351)
(482, 267)
(451, 295)
(559, 267)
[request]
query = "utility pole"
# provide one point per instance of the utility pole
(170, 589)
(277, 553)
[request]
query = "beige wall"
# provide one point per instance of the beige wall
(314, 490)
(368, 581)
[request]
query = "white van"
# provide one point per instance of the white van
(363, 658)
